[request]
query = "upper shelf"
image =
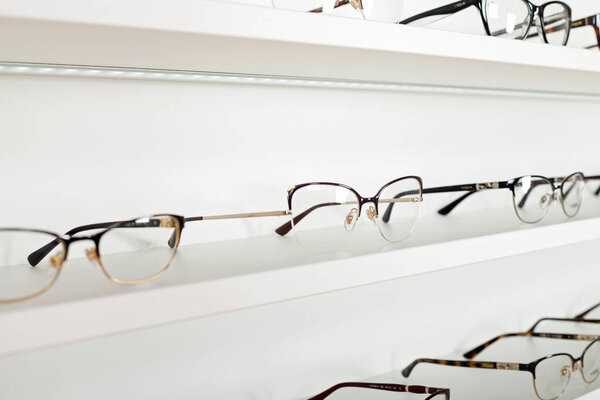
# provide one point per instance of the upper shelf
(195, 35)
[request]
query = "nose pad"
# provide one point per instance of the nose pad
(566, 370)
(57, 259)
(351, 219)
(577, 366)
(371, 213)
(546, 200)
(92, 254)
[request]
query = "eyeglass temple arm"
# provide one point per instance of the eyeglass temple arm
(538, 322)
(173, 239)
(38, 255)
(595, 177)
(390, 387)
(287, 227)
(338, 4)
(506, 366)
(448, 9)
(530, 334)
(582, 315)
(470, 188)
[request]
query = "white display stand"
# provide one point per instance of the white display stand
(137, 127)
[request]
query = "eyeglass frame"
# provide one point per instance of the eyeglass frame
(390, 387)
(534, 11)
(93, 254)
(576, 364)
(287, 227)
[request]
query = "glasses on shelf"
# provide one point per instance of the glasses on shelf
(139, 250)
(551, 374)
(532, 194)
(433, 393)
(31, 260)
(511, 19)
(373, 10)
(324, 214)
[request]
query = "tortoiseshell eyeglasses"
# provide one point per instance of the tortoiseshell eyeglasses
(592, 21)
(551, 374)
(139, 250)
(532, 194)
(433, 393)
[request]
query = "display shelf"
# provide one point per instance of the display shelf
(232, 38)
(209, 278)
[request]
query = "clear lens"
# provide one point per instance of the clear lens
(139, 250)
(18, 279)
(552, 376)
(591, 362)
(324, 215)
(374, 10)
(399, 208)
(532, 197)
(556, 23)
(507, 18)
(572, 194)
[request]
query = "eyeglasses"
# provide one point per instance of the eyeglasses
(28, 269)
(532, 194)
(323, 214)
(512, 19)
(434, 393)
(139, 250)
(373, 10)
(551, 374)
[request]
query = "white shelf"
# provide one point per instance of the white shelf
(208, 279)
(223, 37)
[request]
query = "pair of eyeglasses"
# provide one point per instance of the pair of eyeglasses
(324, 214)
(139, 250)
(532, 194)
(551, 374)
(512, 19)
(434, 393)
(372, 10)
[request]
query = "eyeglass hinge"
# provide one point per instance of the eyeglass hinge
(487, 185)
(507, 366)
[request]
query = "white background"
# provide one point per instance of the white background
(81, 150)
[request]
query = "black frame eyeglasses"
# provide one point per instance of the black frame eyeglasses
(532, 194)
(433, 393)
(549, 17)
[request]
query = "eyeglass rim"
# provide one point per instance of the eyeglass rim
(66, 240)
(558, 185)
(65, 247)
(178, 229)
(361, 200)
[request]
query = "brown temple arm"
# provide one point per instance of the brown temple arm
(506, 366)
(539, 321)
(582, 315)
(390, 387)
(565, 336)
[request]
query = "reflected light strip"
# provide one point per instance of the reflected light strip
(197, 76)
